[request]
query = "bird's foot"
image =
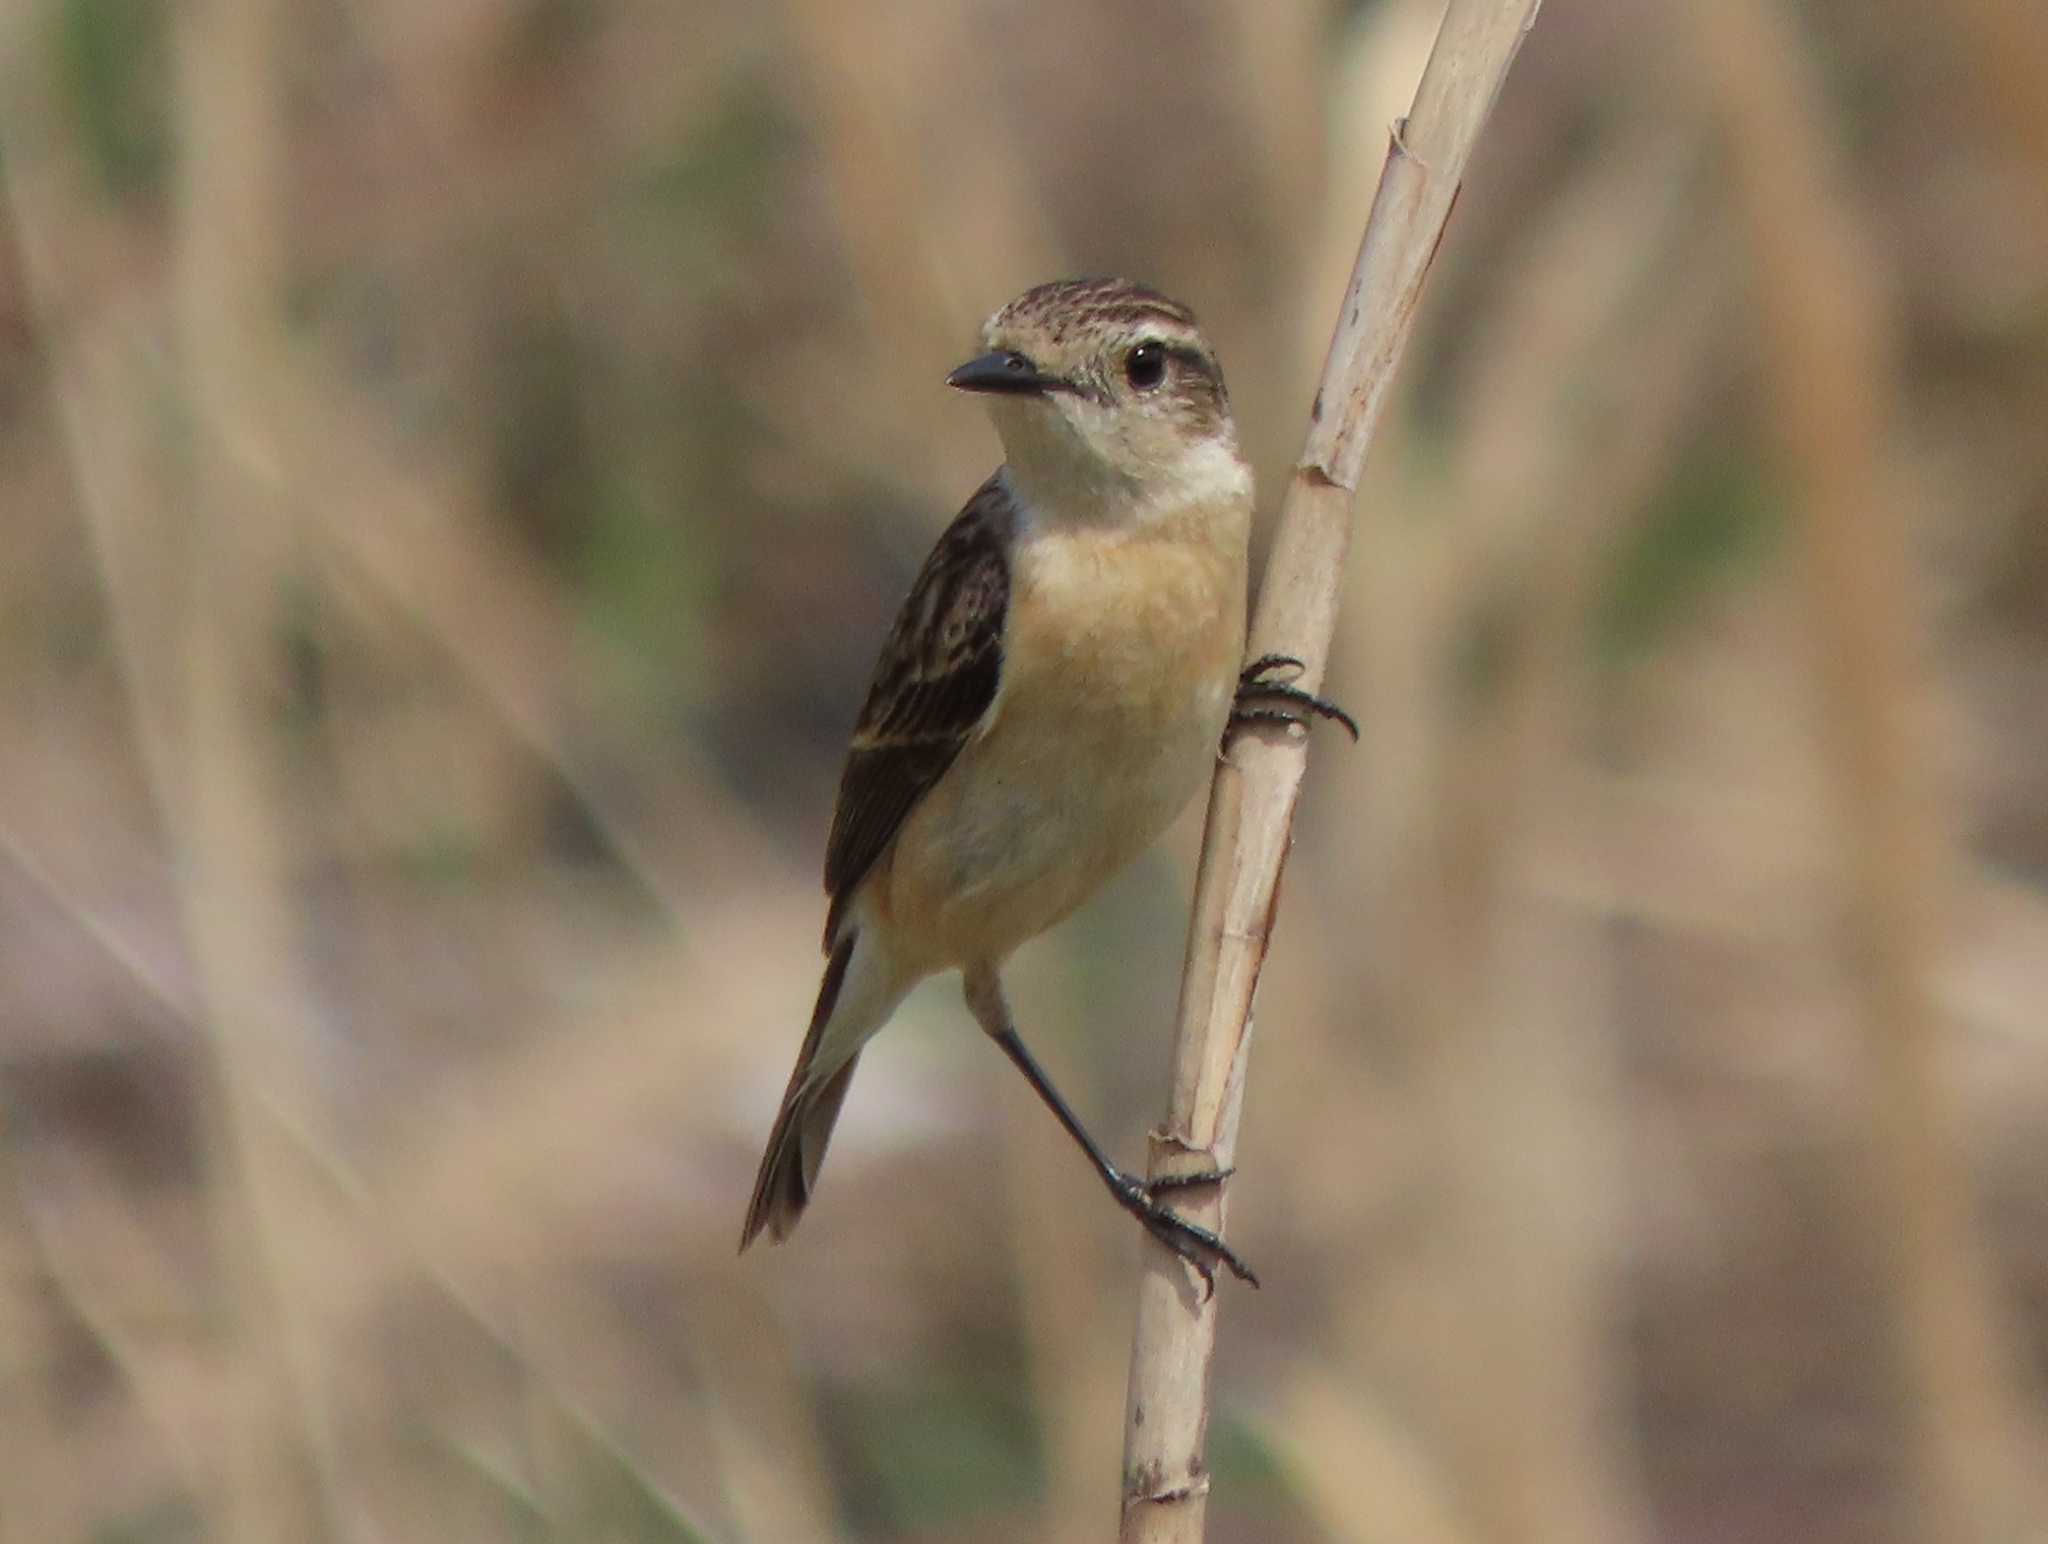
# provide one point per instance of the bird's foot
(1187, 1181)
(1262, 699)
(1197, 1245)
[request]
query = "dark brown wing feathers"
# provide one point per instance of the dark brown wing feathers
(932, 687)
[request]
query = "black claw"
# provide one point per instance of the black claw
(1264, 715)
(1188, 1181)
(1297, 706)
(1187, 1252)
(1190, 1240)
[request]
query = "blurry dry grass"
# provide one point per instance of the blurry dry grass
(457, 460)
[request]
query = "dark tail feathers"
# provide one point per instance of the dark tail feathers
(803, 1126)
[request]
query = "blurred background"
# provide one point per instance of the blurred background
(459, 461)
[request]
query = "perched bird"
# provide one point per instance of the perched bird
(1055, 689)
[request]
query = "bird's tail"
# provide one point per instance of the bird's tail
(854, 1000)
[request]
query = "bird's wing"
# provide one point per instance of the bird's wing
(933, 690)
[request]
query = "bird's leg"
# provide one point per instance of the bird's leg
(1194, 1243)
(1261, 699)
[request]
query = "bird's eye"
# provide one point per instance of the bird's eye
(1145, 365)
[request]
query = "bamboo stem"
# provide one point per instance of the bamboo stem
(1251, 805)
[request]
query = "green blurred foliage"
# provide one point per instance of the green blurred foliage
(172, 1520)
(112, 64)
(1716, 518)
(937, 1454)
(603, 1493)
(696, 201)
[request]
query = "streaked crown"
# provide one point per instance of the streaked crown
(1065, 308)
(1096, 383)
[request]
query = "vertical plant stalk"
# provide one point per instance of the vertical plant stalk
(226, 823)
(1820, 325)
(1251, 803)
(175, 604)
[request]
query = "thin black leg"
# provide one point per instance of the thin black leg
(1191, 1241)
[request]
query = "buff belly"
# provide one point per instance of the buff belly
(1004, 857)
(1100, 737)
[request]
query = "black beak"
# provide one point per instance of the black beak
(1007, 371)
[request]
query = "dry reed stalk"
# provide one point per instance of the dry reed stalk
(78, 1271)
(762, 1421)
(227, 824)
(500, 626)
(1360, 1468)
(1072, 1347)
(2009, 46)
(1251, 806)
(107, 361)
(1580, 413)
(550, 1352)
(1822, 333)
(761, 1434)
(406, 542)
(1584, 396)
(99, 375)
(876, 82)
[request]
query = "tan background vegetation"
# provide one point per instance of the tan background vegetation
(458, 461)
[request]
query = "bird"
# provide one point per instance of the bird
(1054, 691)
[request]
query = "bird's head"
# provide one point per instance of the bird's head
(1108, 399)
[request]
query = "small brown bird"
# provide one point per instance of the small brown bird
(1054, 691)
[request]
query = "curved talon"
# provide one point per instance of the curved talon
(1265, 662)
(1187, 1252)
(1270, 716)
(1190, 1240)
(1187, 1181)
(1299, 704)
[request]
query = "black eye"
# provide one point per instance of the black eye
(1145, 365)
